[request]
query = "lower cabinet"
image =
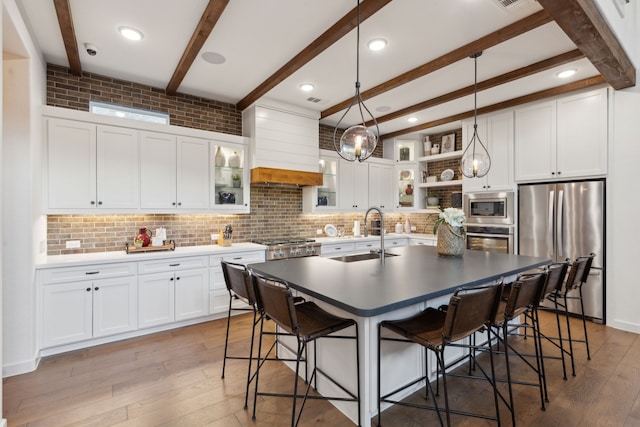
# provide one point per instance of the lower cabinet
(172, 296)
(218, 294)
(425, 241)
(88, 309)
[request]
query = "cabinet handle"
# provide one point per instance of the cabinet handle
(177, 278)
(92, 272)
(553, 173)
(179, 203)
(171, 279)
(238, 257)
(174, 203)
(174, 265)
(96, 288)
(337, 249)
(88, 289)
(559, 172)
(93, 202)
(100, 202)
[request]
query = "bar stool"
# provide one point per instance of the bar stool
(576, 278)
(470, 310)
(522, 303)
(308, 323)
(238, 282)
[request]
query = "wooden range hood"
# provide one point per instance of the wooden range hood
(284, 176)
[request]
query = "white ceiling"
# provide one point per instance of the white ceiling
(257, 37)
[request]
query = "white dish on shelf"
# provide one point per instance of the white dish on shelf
(405, 174)
(447, 175)
(330, 230)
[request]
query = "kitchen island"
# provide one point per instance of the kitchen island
(370, 291)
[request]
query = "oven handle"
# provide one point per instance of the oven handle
(504, 236)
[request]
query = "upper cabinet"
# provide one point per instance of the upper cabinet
(323, 198)
(91, 166)
(562, 139)
(140, 167)
(496, 131)
(381, 174)
(353, 178)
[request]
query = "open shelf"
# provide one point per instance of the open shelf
(440, 184)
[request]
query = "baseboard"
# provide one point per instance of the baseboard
(3, 423)
(21, 367)
(625, 326)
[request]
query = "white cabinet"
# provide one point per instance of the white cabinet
(323, 198)
(381, 174)
(404, 183)
(218, 294)
(423, 241)
(230, 177)
(335, 249)
(76, 308)
(91, 166)
(174, 173)
(353, 180)
(172, 290)
(562, 139)
(496, 131)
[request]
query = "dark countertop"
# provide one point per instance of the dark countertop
(367, 288)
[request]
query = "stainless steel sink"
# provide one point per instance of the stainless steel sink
(362, 257)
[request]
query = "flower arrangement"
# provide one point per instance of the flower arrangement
(452, 216)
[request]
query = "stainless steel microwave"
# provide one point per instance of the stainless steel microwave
(489, 208)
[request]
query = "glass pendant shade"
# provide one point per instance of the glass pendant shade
(475, 159)
(357, 143)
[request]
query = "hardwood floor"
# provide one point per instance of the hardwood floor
(173, 379)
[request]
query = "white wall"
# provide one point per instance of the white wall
(24, 81)
(623, 253)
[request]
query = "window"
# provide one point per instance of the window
(116, 110)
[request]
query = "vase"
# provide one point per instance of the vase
(144, 234)
(220, 159)
(234, 160)
(409, 190)
(450, 240)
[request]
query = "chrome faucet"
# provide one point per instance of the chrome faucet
(374, 208)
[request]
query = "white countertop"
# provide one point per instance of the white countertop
(361, 238)
(119, 256)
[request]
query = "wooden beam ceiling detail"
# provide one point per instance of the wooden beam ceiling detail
(65, 21)
(529, 70)
(517, 28)
(328, 38)
(583, 23)
(525, 99)
(209, 18)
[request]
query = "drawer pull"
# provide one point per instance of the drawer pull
(238, 257)
(92, 272)
(174, 265)
(96, 288)
(88, 289)
(337, 249)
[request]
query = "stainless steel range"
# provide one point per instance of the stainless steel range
(289, 247)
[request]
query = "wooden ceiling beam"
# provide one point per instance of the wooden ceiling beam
(65, 21)
(328, 38)
(517, 28)
(514, 102)
(208, 20)
(529, 70)
(583, 23)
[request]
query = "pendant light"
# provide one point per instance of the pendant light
(475, 159)
(358, 141)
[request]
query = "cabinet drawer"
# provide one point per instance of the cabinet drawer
(368, 246)
(337, 248)
(99, 271)
(424, 242)
(395, 243)
(237, 257)
(173, 264)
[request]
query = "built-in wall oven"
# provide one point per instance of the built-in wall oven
(490, 221)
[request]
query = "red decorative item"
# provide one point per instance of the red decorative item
(144, 234)
(409, 190)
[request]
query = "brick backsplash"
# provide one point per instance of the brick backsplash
(276, 210)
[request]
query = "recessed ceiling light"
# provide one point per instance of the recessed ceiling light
(377, 44)
(566, 73)
(213, 58)
(412, 119)
(130, 33)
(307, 87)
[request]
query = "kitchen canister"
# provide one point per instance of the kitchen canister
(356, 228)
(398, 228)
(435, 149)
(426, 144)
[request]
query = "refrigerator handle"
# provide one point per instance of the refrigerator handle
(560, 220)
(550, 224)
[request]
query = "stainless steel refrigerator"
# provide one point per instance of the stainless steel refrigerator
(566, 220)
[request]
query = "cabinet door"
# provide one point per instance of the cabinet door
(157, 171)
(582, 135)
(381, 186)
(191, 294)
(347, 185)
(193, 173)
(500, 145)
(155, 299)
(71, 164)
(535, 142)
(228, 163)
(115, 304)
(118, 168)
(361, 186)
(67, 313)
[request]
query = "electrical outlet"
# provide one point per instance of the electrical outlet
(319, 232)
(214, 236)
(413, 228)
(73, 244)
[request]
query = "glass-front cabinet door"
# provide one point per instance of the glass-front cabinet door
(323, 198)
(405, 183)
(230, 177)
